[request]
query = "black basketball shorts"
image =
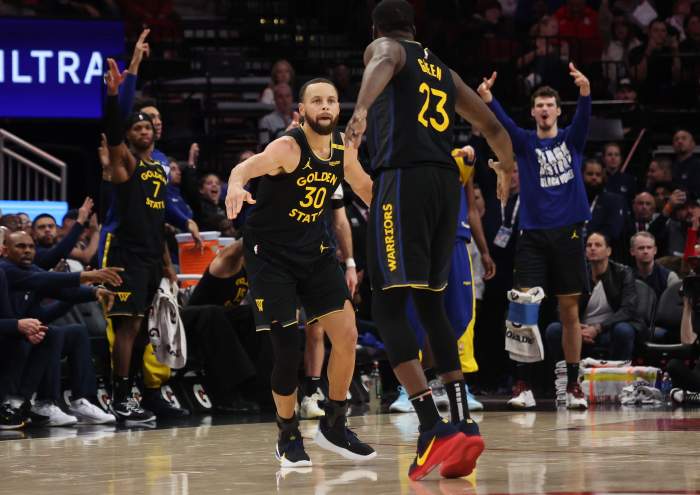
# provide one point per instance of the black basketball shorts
(412, 227)
(553, 259)
(140, 279)
(280, 278)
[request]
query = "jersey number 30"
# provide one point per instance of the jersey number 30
(314, 196)
(439, 126)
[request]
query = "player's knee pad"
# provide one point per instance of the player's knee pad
(285, 372)
(389, 313)
(523, 339)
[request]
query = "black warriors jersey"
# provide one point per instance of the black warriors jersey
(410, 124)
(140, 202)
(290, 207)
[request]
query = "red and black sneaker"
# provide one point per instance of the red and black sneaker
(575, 398)
(434, 446)
(463, 460)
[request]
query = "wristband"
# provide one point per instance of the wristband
(350, 263)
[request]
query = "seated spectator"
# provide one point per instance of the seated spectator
(643, 250)
(87, 243)
(607, 209)
(620, 40)
(342, 78)
(643, 212)
(25, 223)
(28, 286)
(547, 58)
(282, 73)
(608, 313)
(616, 181)
(489, 24)
(632, 114)
(677, 217)
(659, 171)
(656, 65)
(50, 250)
(208, 207)
(11, 222)
(691, 43)
(690, 61)
(662, 193)
(579, 22)
(676, 22)
(272, 125)
(686, 166)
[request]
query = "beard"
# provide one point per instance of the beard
(593, 191)
(321, 129)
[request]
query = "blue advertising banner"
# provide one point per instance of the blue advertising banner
(34, 208)
(54, 68)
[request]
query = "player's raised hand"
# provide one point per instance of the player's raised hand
(484, 88)
(235, 197)
(113, 78)
(503, 181)
(295, 121)
(142, 49)
(85, 210)
(193, 155)
(466, 152)
(580, 80)
(355, 129)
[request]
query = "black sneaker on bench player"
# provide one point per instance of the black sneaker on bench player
(288, 259)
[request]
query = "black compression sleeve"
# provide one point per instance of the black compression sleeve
(114, 128)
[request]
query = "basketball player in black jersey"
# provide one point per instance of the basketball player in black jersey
(411, 97)
(288, 258)
(137, 243)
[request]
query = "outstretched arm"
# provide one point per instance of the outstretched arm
(128, 89)
(471, 107)
(579, 124)
(228, 261)
(356, 176)
(478, 232)
(121, 162)
(384, 57)
(280, 156)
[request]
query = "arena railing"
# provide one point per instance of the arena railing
(29, 173)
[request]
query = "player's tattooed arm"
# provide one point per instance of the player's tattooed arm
(121, 162)
(383, 58)
(280, 156)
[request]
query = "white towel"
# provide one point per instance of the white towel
(165, 329)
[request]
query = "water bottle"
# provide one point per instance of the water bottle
(666, 385)
(375, 389)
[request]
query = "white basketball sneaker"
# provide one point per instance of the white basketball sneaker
(55, 414)
(89, 413)
(309, 407)
(522, 398)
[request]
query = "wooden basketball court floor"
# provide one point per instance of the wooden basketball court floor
(599, 451)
